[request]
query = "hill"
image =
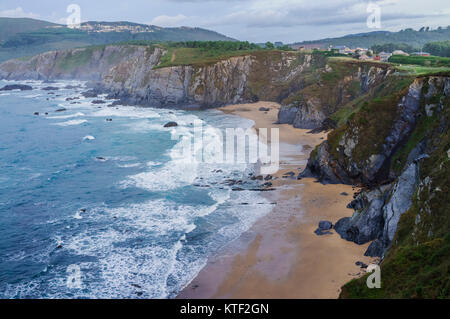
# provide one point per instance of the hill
(33, 36)
(11, 26)
(416, 39)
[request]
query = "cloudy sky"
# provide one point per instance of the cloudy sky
(252, 20)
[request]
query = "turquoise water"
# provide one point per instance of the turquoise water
(111, 198)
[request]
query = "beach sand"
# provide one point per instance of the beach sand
(281, 256)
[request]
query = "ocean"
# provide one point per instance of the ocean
(94, 208)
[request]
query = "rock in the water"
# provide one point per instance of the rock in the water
(50, 88)
(12, 87)
(36, 113)
(71, 87)
(268, 177)
(171, 124)
(61, 110)
(98, 102)
(90, 93)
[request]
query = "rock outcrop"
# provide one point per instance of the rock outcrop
(408, 142)
(133, 75)
(343, 162)
(336, 84)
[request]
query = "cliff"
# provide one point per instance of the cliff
(135, 75)
(396, 146)
(390, 135)
(327, 90)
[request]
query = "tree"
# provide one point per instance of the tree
(270, 45)
(438, 48)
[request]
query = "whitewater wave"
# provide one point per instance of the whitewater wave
(70, 123)
(78, 114)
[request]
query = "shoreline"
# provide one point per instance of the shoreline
(281, 256)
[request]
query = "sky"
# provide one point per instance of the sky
(252, 20)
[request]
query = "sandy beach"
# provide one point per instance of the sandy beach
(281, 256)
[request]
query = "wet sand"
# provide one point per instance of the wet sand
(281, 256)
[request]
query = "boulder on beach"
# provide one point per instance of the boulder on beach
(171, 124)
(12, 87)
(264, 109)
(325, 225)
(324, 228)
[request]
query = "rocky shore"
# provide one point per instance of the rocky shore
(387, 139)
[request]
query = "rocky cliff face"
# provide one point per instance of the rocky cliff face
(412, 229)
(90, 64)
(349, 156)
(338, 83)
(132, 74)
(409, 140)
(259, 76)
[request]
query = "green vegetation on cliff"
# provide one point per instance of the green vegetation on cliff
(441, 48)
(418, 263)
(200, 53)
(432, 61)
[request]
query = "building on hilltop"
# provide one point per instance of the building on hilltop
(384, 56)
(421, 53)
(400, 52)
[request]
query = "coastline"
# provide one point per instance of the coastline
(281, 256)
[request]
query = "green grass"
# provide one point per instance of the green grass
(81, 57)
(430, 61)
(421, 70)
(199, 56)
(387, 87)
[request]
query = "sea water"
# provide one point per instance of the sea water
(91, 208)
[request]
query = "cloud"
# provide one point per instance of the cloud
(169, 21)
(17, 13)
(292, 13)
